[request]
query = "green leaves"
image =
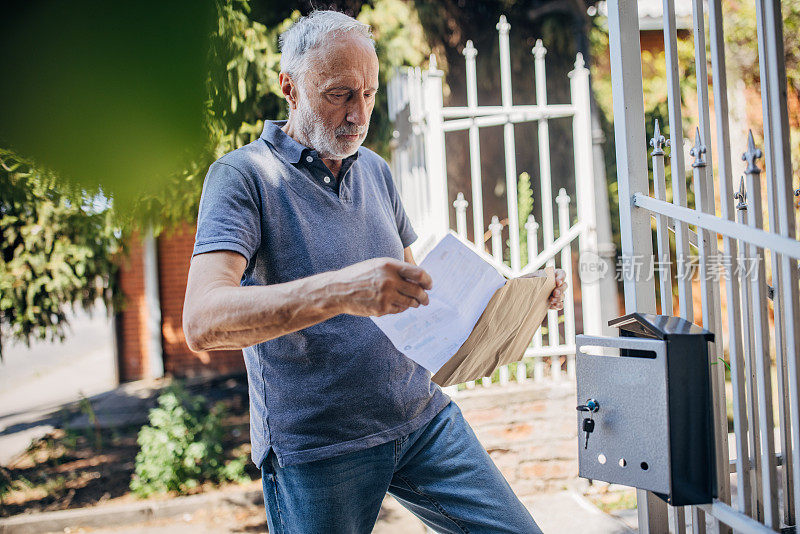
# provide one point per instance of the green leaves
(58, 250)
(182, 446)
(60, 240)
(242, 90)
(525, 207)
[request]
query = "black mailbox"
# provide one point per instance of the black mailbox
(651, 408)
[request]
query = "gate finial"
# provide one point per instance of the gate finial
(503, 26)
(460, 203)
(531, 225)
(538, 49)
(698, 150)
(741, 195)
(469, 50)
(657, 142)
(751, 155)
(563, 197)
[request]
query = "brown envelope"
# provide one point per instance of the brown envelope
(503, 331)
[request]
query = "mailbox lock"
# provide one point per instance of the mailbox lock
(591, 406)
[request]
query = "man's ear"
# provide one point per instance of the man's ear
(289, 89)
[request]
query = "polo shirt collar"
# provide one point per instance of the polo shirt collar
(288, 147)
(282, 142)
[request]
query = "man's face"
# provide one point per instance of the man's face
(336, 96)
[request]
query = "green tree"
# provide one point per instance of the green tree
(399, 41)
(61, 243)
(242, 86)
(58, 250)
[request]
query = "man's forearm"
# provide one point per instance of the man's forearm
(230, 317)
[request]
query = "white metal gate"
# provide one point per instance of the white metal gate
(419, 168)
(765, 464)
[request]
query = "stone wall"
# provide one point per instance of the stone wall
(529, 430)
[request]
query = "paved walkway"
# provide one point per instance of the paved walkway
(393, 519)
(564, 512)
(569, 512)
(36, 381)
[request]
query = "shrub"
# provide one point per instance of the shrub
(181, 446)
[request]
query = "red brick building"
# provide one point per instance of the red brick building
(173, 252)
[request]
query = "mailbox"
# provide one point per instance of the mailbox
(650, 408)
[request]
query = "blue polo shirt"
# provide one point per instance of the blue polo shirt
(338, 386)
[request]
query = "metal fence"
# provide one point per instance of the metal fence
(763, 361)
(420, 170)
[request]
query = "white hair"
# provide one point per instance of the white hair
(310, 32)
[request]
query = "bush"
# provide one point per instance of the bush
(181, 446)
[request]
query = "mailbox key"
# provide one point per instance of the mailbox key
(588, 427)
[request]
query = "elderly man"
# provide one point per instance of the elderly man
(301, 236)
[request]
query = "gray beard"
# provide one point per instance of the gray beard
(322, 140)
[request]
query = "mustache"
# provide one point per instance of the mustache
(350, 130)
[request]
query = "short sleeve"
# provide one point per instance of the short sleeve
(404, 228)
(229, 217)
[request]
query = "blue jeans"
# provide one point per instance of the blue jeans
(440, 472)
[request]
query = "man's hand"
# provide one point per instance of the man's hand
(556, 298)
(380, 286)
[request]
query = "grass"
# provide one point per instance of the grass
(613, 500)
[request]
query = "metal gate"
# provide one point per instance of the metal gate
(755, 241)
(419, 168)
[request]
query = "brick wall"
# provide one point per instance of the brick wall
(174, 249)
(174, 255)
(132, 317)
(529, 430)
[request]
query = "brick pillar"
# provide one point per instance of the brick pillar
(174, 250)
(132, 315)
(174, 255)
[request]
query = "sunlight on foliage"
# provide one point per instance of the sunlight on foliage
(181, 447)
(59, 249)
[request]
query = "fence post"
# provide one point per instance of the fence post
(435, 149)
(585, 192)
(474, 147)
(495, 227)
(545, 181)
(460, 204)
(605, 243)
(503, 27)
(563, 202)
(632, 177)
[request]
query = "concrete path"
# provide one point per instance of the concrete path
(569, 511)
(36, 381)
(564, 512)
(393, 519)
